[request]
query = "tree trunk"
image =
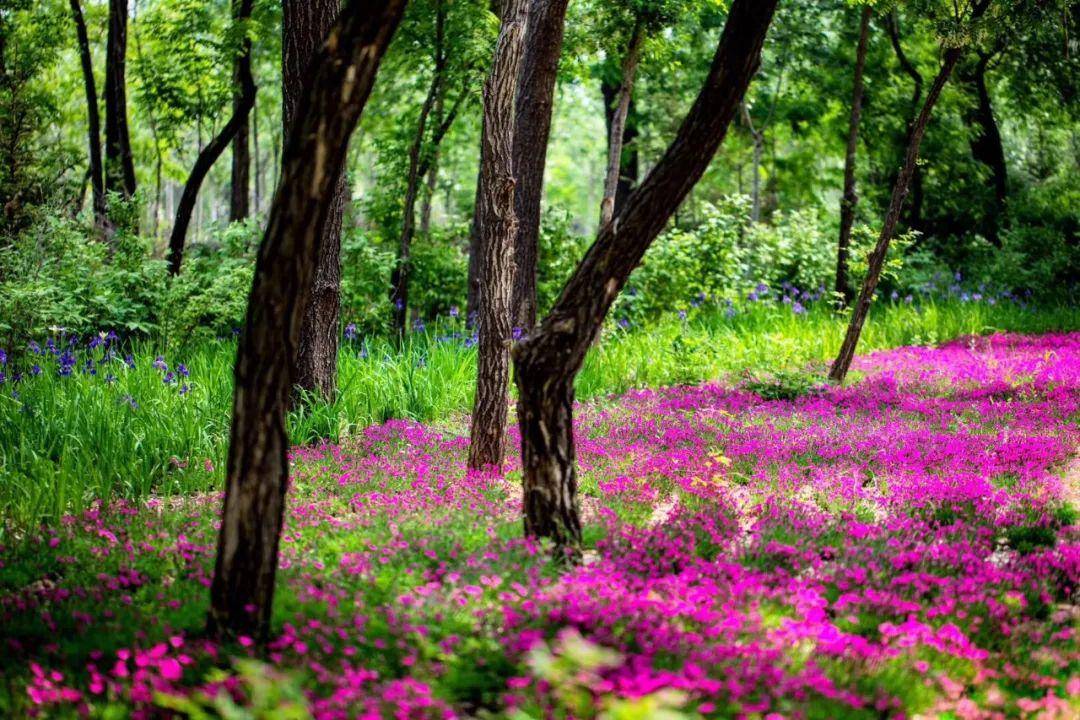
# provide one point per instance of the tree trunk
(628, 171)
(97, 182)
(892, 217)
(431, 181)
(618, 124)
(915, 214)
(757, 137)
(119, 165)
(304, 25)
(496, 225)
(239, 203)
(548, 359)
(986, 145)
(851, 198)
(535, 98)
(341, 75)
(213, 150)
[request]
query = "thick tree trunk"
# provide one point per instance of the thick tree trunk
(915, 213)
(548, 359)
(239, 189)
(535, 98)
(341, 75)
(986, 145)
(304, 25)
(213, 150)
(119, 165)
(97, 181)
(850, 198)
(496, 225)
(892, 217)
(618, 124)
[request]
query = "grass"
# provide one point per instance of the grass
(125, 432)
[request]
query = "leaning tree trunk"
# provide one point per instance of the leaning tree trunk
(892, 217)
(915, 214)
(210, 154)
(119, 165)
(850, 198)
(549, 358)
(304, 25)
(618, 124)
(97, 182)
(496, 225)
(630, 163)
(239, 187)
(342, 72)
(535, 97)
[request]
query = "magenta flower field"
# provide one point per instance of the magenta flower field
(905, 546)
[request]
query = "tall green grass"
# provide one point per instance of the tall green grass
(67, 441)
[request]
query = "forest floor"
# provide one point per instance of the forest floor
(905, 546)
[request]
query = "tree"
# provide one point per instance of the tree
(547, 360)
(893, 24)
(239, 199)
(496, 227)
(970, 13)
(986, 144)
(304, 25)
(119, 165)
(536, 90)
(342, 72)
(214, 149)
(97, 182)
(617, 124)
(850, 199)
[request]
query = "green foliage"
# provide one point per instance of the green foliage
(783, 385)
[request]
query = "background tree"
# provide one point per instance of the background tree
(96, 172)
(548, 359)
(496, 228)
(119, 164)
(342, 73)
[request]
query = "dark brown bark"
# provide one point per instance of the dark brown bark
(239, 188)
(618, 123)
(305, 23)
(548, 359)
(496, 225)
(850, 198)
(97, 181)
(535, 98)
(900, 190)
(119, 165)
(915, 213)
(986, 145)
(213, 150)
(342, 73)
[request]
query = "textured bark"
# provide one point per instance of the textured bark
(239, 189)
(986, 145)
(535, 98)
(850, 198)
(97, 181)
(119, 166)
(892, 217)
(213, 150)
(548, 359)
(915, 213)
(496, 225)
(305, 23)
(618, 124)
(342, 73)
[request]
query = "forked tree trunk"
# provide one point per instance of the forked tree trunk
(239, 188)
(342, 73)
(892, 217)
(850, 198)
(304, 25)
(548, 360)
(213, 150)
(618, 124)
(535, 97)
(93, 120)
(119, 165)
(496, 225)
